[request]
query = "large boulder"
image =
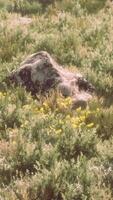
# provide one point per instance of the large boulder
(39, 73)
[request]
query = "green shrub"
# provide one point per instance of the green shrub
(48, 184)
(76, 142)
(12, 42)
(105, 117)
(26, 7)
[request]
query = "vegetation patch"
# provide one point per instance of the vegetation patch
(48, 151)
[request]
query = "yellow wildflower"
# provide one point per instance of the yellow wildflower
(61, 122)
(88, 112)
(68, 101)
(45, 105)
(1, 95)
(68, 117)
(74, 125)
(42, 109)
(90, 125)
(82, 118)
(78, 109)
(98, 110)
(63, 104)
(58, 131)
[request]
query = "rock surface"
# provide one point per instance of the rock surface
(40, 73)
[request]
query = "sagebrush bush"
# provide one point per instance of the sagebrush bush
(12, 41)
(25, 7)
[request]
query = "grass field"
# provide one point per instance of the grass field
(47, 150)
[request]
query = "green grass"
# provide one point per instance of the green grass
(47, 150)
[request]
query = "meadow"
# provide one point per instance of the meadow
(47, 150)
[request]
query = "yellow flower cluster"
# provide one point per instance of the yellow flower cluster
(60, 105)
(2, 95)
(54, 130)
(75, 121)
(63, 103)
(62, 113)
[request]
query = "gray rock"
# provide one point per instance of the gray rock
(40, 73)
